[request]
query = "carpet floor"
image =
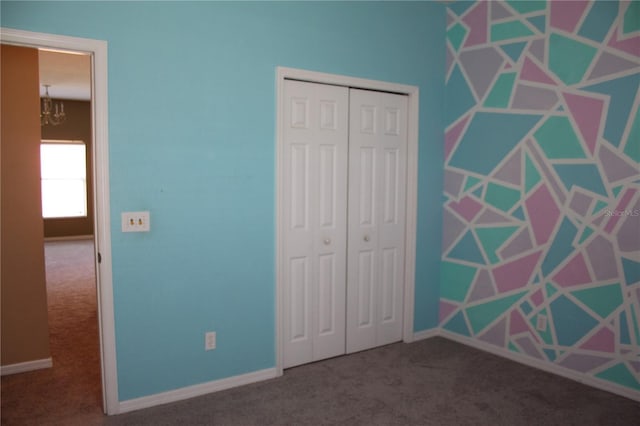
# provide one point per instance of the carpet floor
(429, 382)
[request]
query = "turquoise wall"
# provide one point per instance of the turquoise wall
(192, 137)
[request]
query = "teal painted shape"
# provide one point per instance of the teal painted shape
(470, 182)
(599, 20)
(472, 153)
(501, 197)
(551, 290)
(540, 22)
(531, 174)
(512, 347)
(621, 375)
(457, 324)
(467, 249)
(514, 50)
(616, 191)
(527, 6)
(478, 192)
(509, 30)
(631, 21)
(551, 354)
(558, 139)
(456, 35)
(500, 94)
(569, 59)
(571, 322)
(622, 92)
(560, 108)
(625, 338)
(461, 95)
(636, 325)
(456, 280)
(492, 239)
(585, 176)
(460, 7)
(599, 206)
(602, 300)
(631, 270)
(526, 307)
(632, 147)
(561, 247)
(480, 316)
(518, 213)
(586, 233)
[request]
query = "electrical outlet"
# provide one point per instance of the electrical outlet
(209, 340)
(541, 322)
(135, 222)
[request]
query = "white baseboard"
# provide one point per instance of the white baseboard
(425, 334)
(69, 238)
(23, 367)
(545, 366)
(195, 390)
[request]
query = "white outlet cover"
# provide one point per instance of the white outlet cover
(136, 221)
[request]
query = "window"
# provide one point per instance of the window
(63, 166)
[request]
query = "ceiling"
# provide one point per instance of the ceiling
(68, 74)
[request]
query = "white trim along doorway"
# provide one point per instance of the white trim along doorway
(412, 93)
(98, 51)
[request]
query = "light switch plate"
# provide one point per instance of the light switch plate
(136, 221)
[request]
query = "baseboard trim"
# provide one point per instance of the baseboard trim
(426, 334)
(195, 390)
(23, 367)
(69, 238)
(544, 366)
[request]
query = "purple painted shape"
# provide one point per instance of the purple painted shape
(517, 323)
(529, 347)
(453, 183)
(520, 244)
(583, 363)
(575, 272)
(537, 49)
(536, 98)
(476, 20)
(603, 259)
(610, 64)
(467, 207)
(621, 210)
(629, 233)
(498, 11)
(446, 308)
(615, 167)
(452, 228)
(597, 221)
(603, 340)
(452, 136)
(543, 213)
(531, 72)
(635, 365)
(496, 335)
(565, 15)
(482, 287)
(580, 203)
(516, 273)
(630, 45)
(587, 113)
(510, 171)
(481, 66)
(491, 216)
(544, 168)
(537, 298)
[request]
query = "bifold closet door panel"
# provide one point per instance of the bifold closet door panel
(376, 222)
(315, 216)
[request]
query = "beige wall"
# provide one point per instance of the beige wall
(25, 329)
(76, 127)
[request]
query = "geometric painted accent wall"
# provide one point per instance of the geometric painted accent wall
(541, 233)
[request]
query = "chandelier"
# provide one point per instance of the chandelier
(52, 112)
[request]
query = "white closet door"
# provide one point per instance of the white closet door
(377, 181)
(315, 194)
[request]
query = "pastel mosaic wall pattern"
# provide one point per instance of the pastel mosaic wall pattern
(541, 235)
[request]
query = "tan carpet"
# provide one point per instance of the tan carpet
(70, 392)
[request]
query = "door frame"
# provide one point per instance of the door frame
(102, 222)
(284, 73)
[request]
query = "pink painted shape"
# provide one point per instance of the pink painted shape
(543, 213)
(452, 136)
(603, 341)
(532, 72)
(445, 309)
(476, 19)
(565, 15)
(515, 274)
(468, 208)
(622, 205)
(574, 273)
(519, 325)
(629, 45)
(537, 298)
(587, 112)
